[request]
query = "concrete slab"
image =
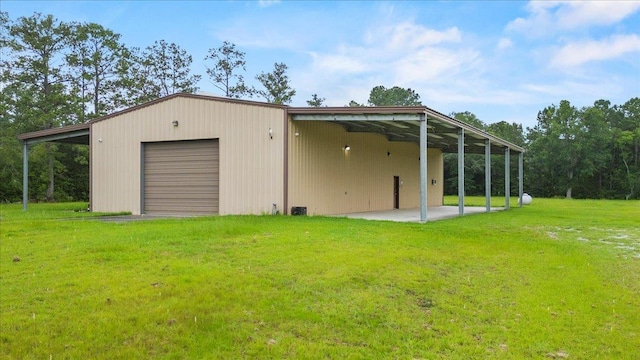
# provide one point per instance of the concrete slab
(413, 215)
(399, 215)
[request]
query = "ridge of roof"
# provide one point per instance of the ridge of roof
(186, 95)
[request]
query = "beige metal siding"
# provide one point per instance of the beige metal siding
(329, 180)
(251, 163)
(181, 177)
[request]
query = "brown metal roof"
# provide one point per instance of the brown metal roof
(359, 110)
(397, 123)
(402, 124)
(71, 133)
(74, 134)
(191, 96)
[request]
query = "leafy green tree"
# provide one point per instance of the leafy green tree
(93, 59)
(513, 132)
(586, 153)
(469, 118)
(277, 87)
(10, 156)
(627, 147)
(593, 141)
(315, 101)
(161, 69)
(171, 68)
(227, 61)
(395, 96)
(135, 79)
(554, 140)
(34, 89)
(473, 163)
(352, 103)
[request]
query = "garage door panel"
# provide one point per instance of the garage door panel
(191, 183)
(192, 166)
(181, 197)
(167, 189)
(192, 200)
(173, 157)
(180, 174)
(181, 177)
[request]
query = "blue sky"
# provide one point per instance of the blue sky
(502, 60)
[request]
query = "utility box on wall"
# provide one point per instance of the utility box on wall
(299, 210)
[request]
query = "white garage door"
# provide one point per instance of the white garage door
(181, 177)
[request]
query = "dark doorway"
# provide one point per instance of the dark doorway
(396, 192)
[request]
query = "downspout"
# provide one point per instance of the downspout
(285, 181)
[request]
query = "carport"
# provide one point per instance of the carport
(429, 129)
(72, 134)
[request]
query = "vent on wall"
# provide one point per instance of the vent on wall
(299, 210)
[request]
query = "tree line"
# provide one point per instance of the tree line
(55, 73)
(588, 152)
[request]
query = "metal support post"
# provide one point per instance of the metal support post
(487, 174)
(25, 175)
(507, 177)
(461, 172)
(423, 169)
(520, 176)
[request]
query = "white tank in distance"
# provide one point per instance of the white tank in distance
(526, 199)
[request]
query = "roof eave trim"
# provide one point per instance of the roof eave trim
(80, 128)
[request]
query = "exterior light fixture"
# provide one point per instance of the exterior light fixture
(270, 133)
(388, 153)
(297, 133)
(175, 122)
(347, 148)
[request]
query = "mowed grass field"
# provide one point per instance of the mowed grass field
(555, 279)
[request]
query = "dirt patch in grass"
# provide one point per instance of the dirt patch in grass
(624, 241)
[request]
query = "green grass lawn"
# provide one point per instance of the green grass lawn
(554, 279)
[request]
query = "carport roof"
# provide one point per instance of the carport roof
(403, 124)
(72, 134)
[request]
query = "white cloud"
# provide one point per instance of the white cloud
(585, 13)
(504, 43)
(408, 35)
(266, 3)
(407, 52)
(547, 17)
(433, 64)
(582, 91)
(578, 53)
(343, 63)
